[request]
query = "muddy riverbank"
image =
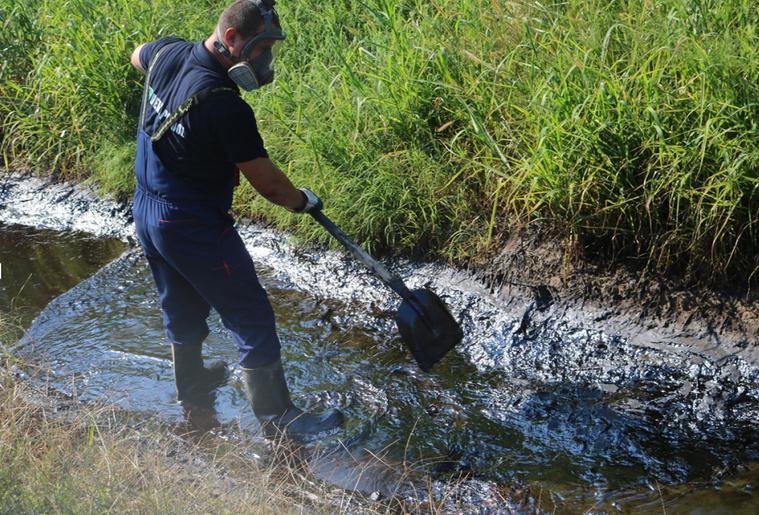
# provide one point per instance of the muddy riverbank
(647, 308)
(590, 383)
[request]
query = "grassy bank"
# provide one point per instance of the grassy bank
(94, 460)
(441, 127)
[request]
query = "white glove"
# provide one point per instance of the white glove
(313, 202)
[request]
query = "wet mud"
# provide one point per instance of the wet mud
(561, 396)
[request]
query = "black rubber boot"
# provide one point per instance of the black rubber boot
(269, 396)
(194, 381)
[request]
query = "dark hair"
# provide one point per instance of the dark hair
(244, 16)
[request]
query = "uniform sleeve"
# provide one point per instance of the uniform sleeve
(238, 133)
(149, 50)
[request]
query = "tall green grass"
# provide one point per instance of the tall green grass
(439, 127)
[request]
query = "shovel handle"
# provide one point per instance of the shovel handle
(390, 279)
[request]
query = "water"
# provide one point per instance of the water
(39, 264)
(576, 443)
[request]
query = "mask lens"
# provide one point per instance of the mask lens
(263, 64)
(265, 54)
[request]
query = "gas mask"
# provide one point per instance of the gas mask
(251, 74)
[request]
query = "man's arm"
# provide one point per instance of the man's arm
(272, 183)
(136, 58)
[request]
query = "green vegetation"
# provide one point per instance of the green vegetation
(442, 126)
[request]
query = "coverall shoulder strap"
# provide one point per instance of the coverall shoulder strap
(147, 85)
(185, 107)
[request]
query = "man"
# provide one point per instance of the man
(195, 135)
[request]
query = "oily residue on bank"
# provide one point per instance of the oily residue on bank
(622, 420)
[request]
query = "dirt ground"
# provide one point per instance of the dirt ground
(667, 313)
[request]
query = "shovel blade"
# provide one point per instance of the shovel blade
(427, 327)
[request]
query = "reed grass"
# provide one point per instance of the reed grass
(438, 128)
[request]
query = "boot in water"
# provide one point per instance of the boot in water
(194, 381)
(269, 396)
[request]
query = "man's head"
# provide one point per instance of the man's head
(245, 36)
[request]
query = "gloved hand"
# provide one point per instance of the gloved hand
(313, 202)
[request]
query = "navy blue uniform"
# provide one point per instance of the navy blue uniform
(185, 182)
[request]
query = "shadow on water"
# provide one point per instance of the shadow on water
(606, 446)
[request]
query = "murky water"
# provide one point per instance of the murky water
(576, 442)
(38, 264)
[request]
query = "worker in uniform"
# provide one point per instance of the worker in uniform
(196, 134)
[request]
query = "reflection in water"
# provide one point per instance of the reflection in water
(590, 446)
(200, 417)
(38, 264)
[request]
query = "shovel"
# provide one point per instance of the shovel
(425, 324)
